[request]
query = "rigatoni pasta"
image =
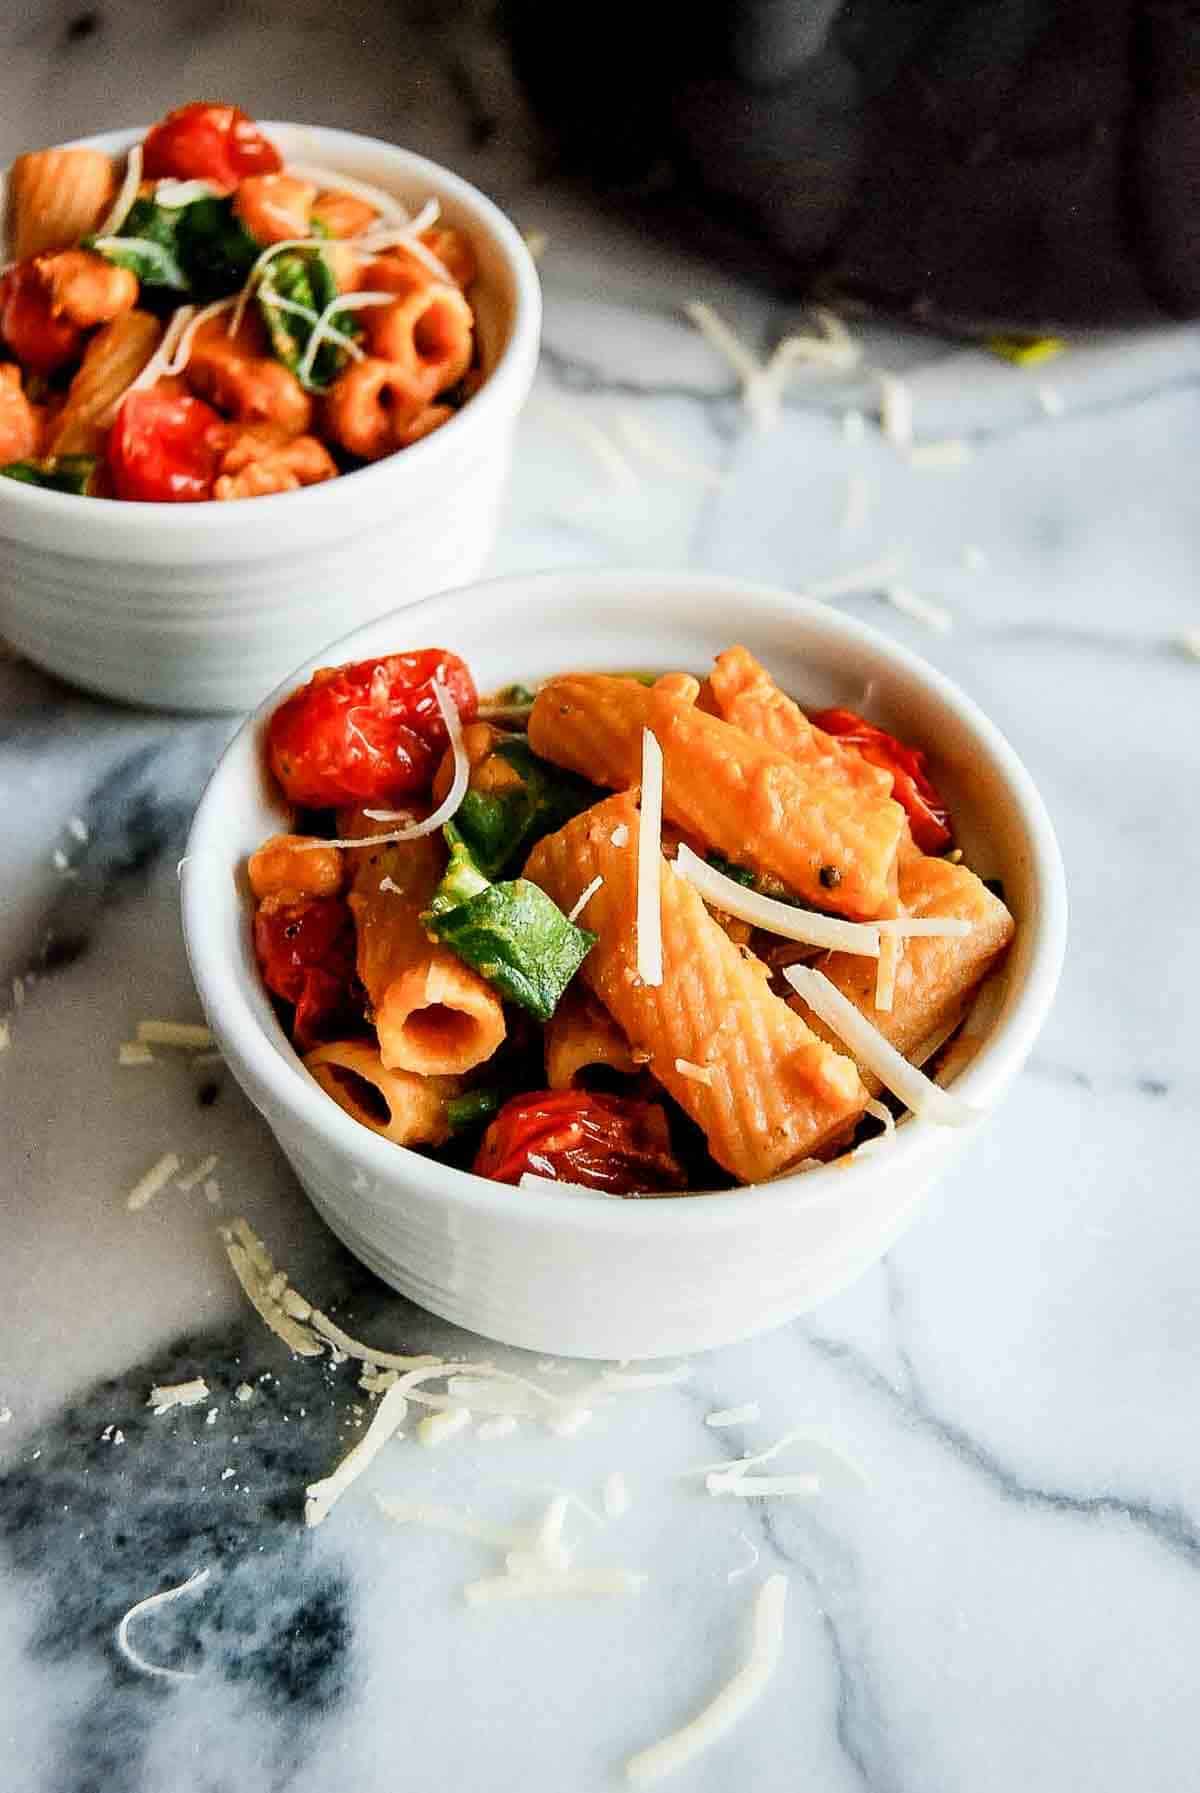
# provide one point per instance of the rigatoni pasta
(580, 952)
(55, 196)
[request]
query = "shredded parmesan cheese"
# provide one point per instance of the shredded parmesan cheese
(765, 912)
(619, 836)
(895, 410)
(643, 441)
(584, 898)
(501, 1427)
(323, 329)
(761, 1487)
(1189, 643)
(953, 451)
(1051, 400)
(5, 1036)
(857, 503)
(696, 1073)
(879, 1111)
(867, 1044)
(205, 1167)
(126, 194)
(744, 1568)
(854, 426)
(534, 1587)
(132, 1052)
(165, 1396)
(734, 1416)
(593, 438)
(615, 1495)
(758, 394)
(194, 1581)
(649, 892)
(869, 577)
(448, 1519)
(321, 1496)
(152, 1181)
(436, 1428)
(734, 1700)
(922, 610)
(188, 1034)
(890, 949)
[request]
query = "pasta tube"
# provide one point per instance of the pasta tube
(765, 1091)
(113, 359)
(831, 843)
(427, 335)
(582, 1036)
(743, 692)
(433, 1014)
(55, 196)
(408, 1109)
(935, 975)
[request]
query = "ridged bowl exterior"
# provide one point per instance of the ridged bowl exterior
(577, 1274)
(206, 607)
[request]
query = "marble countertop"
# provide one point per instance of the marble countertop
(1014, 1600)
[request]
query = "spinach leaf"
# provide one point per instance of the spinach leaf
(461, 879)
(500, 826)
(303, 277)
(69, 473)
(214, 250)
(519, 940)
(472, 1109)
(147, 245)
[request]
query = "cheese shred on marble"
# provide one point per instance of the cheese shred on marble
(320, 1497)
(648, 924)
(188, 1034)
(734, 1700)
(152, 1181)
(744, 1415)
(165, 1396)
(194, 1582)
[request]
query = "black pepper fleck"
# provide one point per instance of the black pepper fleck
(830, 877)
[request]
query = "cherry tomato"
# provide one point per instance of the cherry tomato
(164, 449)
(603, 1142)
(927, 814)
(305, 950)
(371, 732)
(40, 341)
(208, 142)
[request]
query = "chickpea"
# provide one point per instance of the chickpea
(20, 425)
(84, 288)
(287, 866)
(369, 407)
(301, 462)
(274, 207)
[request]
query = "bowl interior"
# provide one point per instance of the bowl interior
(527, 629)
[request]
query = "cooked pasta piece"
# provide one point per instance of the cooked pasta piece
(776, 1093)
(828, 841)
(291, 865)
(744, 693)
(342, 214)
(113, 359)
(936, 975)
(433, 1014)
(403, 1106)
(20, 420)
(582, 1036)
(428, 333)
(55, 196)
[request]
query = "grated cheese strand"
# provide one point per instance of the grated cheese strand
(132, 1052)
(759, 392)
(762, 1487)
(649, 864)
(151, 1182)
(734, 1700)
(195, 1581)
(204, 1169)
(653, 449)
(188, 1034)
(448, 1519)
(126, 194)
(584, 898)
(895, 410)
(248, 1266)
(578, 1582)
(445, 810)
(697, 1073)
(890, 949)
(437, 1428)
(322, 1496)
(866, 1043)
(952, 451)
(734, 1416)
(922, 610)
(165, 1396)
(784, 919)
(324, 331)
(615, 1497)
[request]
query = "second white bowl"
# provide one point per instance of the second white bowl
(207, 606)
(562, 1272)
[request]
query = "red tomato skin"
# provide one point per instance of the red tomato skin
(306, 953)
(41, 342)
(163, 448)
(615, 1143)
(367, 732)
(206, 141)
(912, 787)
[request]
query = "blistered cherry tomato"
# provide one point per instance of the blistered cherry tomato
(164, 448)
(208, 142)
(371, 732)
(912, 787)
(604, 1142)
(305, 952)
(40, 341)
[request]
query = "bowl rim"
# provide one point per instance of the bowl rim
(374, 481)
(1003, 1051)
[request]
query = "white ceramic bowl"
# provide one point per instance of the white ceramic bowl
(567, 1273)
(207, 606)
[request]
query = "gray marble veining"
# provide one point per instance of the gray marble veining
(1014, 1599)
